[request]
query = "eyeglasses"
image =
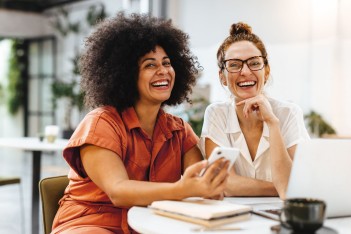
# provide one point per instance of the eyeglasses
(236, 65)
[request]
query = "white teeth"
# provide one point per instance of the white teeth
(246, 83)
(161, 83)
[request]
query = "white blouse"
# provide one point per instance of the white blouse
(221, 125)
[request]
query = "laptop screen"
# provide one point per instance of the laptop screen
(322, 170)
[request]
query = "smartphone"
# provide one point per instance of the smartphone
(229, 153)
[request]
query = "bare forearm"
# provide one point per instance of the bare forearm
(244, 186)
(280, 160)
(108, 172)
(131, 192)
(139, 193)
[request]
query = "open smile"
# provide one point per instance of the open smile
(246, 84)
(164, 83)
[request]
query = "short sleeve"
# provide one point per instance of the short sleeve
(294, 130)
(190, 138)
(214, 126)
(99, 128)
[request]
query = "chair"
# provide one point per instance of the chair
(15, 180)
(51, 191)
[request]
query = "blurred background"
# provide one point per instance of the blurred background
(308, 44)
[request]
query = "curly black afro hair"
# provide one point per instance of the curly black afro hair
(109, 65)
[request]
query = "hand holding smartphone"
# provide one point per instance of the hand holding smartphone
(229, 153)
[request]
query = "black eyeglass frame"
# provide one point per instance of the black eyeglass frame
(245, 61)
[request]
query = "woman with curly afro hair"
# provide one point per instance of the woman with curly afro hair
(128, 151)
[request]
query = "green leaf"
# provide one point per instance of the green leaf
(15, 84)
(317, 124)
(95, 15)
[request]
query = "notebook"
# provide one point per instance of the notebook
(209, 213)
(322, 169)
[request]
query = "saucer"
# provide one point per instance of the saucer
(277, 229)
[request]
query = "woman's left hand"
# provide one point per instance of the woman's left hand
(259, 105)
(216, 197)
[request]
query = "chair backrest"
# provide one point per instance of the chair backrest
(51, 191)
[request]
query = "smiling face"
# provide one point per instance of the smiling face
(156, 77)
(246, 83)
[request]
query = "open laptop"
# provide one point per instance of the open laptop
(321, 169)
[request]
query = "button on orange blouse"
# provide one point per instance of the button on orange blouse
(158, 160)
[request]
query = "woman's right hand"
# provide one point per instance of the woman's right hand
(211, 184)
(261, 106)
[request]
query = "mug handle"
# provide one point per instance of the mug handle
(282, 219)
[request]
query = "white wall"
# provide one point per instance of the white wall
(308, 44)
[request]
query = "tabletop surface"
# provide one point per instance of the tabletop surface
(145, 221)
(32, 143)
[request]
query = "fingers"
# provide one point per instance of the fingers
(221, 173)
(211, 184)
(219, 196)
(195, 169)
(258, 104)
(250, 105)
(216, 177)
(214, 169)
(219, 181)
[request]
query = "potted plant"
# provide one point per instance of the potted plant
(14, 92)
(317, 125)
(195, 112)
(74, 98)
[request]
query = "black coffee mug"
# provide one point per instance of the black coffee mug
(303, 215)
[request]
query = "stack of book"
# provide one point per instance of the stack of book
(209, 213)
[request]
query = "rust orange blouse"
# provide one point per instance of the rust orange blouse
(158, 159)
